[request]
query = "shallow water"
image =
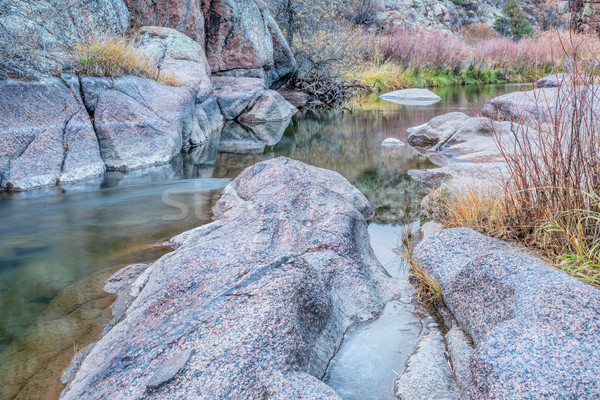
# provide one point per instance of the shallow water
(373, 354)
(57, 246)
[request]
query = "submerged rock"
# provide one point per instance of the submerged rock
(252, 305)
(536, 329)
(412, 97)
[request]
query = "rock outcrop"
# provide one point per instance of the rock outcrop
(130, 122)
(535, 328)
(46, 135)
(252, 305)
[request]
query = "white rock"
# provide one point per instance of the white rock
(412, 97)
(392, 142)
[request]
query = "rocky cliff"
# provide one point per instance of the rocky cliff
(57, 127)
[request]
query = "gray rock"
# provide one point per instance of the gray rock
(436, 131)
(460, 351)
(262, 296)
(269, 107)
(46, 136)
(139, 122)
(412, 97)
(392, 142)
(430, 228)
(536, 329)
(177, 56)
(554, 80)
(234, 95)
(43, 33)
(427, 375)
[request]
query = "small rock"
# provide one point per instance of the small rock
(412, 97)
(392, 142)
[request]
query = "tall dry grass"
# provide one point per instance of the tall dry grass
(116, 56)
(551, 193)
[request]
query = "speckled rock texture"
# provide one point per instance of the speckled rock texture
(46, 136)
(242, 35)
(139, 122)
(184, 61)
(427, 375)
(269, 107)
(252, 305)
(536, 330)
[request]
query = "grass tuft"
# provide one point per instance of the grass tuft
(428, 287)
(117, 56)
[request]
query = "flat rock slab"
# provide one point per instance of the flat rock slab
(412, 97)
(536, 330)
(251, 306)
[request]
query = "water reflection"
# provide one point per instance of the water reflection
(59, 245)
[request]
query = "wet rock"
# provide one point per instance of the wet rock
(269, 107)
(262, 296)
(248, 139)
(427, 375)
(536, 329)
(412, 97)
(122, 284)
(46, 136)
(138, 122)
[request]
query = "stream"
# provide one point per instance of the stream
(58, 245)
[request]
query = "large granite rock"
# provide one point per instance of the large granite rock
(46, 136)
(270, 106)
(242, 37)
(252, 305)
(183, 60)
(139, 122)
(536, 329)
(437, 131)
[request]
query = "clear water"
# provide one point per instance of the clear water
(57, 246)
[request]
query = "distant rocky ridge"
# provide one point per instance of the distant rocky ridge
(454, 14)
(64, 128)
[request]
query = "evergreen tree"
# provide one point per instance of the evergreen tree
(513, 22)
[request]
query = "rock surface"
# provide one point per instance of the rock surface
(252, 305)
(241, 35)
(46, 135)
(139, 122)
(536, 329)
(412, 97)
(427, 375)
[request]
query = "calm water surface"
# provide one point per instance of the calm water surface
(57, 246)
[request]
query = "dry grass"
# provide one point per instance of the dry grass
(117, 56)
(426, 284)
(407, 58)
(570, 239)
